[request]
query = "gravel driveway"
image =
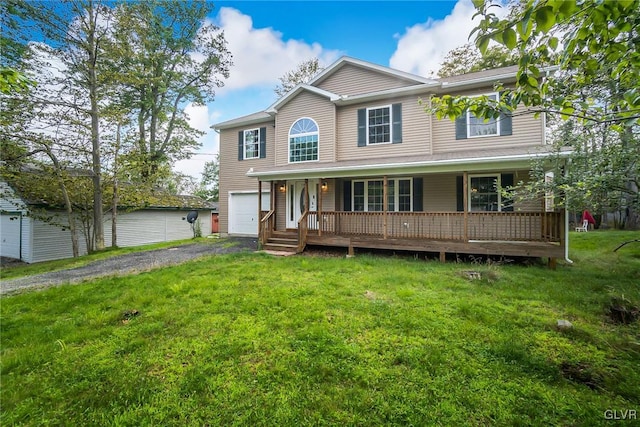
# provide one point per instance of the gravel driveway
(123, 265)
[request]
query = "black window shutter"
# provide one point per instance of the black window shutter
(461, 127)
(346, 194)
(417, 194)
(459, 194)
(263, 143)
(241, 145)
(505, 124)
(362, 127)
(506, 180)
(396, 123)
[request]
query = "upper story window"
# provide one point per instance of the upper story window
(252, 144)
(303, 141)
(380, 125)
(470, 126)
(479, 127)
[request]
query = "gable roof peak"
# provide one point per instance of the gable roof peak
(347, 60)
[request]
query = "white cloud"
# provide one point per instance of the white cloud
(422, 47)
(200, 118)
(260, 55)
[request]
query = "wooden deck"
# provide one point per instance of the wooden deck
(528, 234)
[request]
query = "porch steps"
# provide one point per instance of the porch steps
(283, 242)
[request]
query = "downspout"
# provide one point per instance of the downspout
(566, 223)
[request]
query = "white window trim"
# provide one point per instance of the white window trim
(302, 134)
(469, 113)
(244, 144)
(498, 179)
(390, 124)
(396, 194)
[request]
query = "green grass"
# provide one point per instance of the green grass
(251, 339)
(20, 270)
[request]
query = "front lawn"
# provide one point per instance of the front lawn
(252, 339)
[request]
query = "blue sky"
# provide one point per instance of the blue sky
(269, 38)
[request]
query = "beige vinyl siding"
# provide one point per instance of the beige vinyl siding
(233, 171)
(527, 131)
(352, 80)
(315, 107)
(329, 196)
(439, 193)
(415, 132)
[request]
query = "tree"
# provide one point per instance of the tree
(210, 181)
(303, 73)
(468, 59)
(595, 48)
(597, 41)
(166, 56)
(13, 45)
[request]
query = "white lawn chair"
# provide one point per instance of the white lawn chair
(584, 227)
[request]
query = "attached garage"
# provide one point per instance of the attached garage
(10, 224)
(243, 212)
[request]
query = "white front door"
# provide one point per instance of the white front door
(296, 198)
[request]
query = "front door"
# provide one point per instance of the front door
(296, 198)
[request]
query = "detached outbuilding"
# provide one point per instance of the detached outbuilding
(32, 231)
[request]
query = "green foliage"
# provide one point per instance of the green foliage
(163, 56)
(13, 81)
(210, 183)
(252, 339)
(468, 59)
(601, 173)
(594, 48)
(597, 41)
(304, 72)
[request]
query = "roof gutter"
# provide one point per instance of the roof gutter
(488, 79)
(340, 171)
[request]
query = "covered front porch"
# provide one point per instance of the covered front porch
(311, 212)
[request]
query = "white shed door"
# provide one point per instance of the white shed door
(243, 212)
(10, 235)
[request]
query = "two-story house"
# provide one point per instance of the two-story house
(351, 159)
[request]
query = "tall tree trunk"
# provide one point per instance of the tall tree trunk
(98, 227)
(114, 200)
(67, 204)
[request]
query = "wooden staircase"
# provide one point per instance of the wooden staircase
(282, 241)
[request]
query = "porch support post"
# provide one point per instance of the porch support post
(465, 203)
(306, 194)
(320, 223)
(385, 206)
(260, 200)
(259, 210)
(272, 193)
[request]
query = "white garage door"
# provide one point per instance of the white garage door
(243, 212)
(10, 235)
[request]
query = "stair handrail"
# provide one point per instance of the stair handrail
(265, 227)
(303, 227)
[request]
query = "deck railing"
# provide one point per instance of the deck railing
(493, 226)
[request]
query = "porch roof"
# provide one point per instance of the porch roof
(469, 161)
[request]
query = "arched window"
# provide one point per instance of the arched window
(303, 141)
